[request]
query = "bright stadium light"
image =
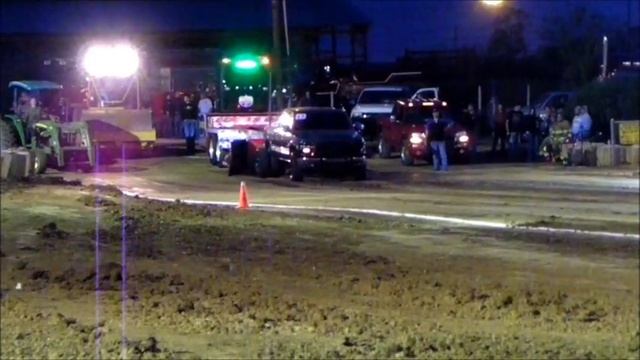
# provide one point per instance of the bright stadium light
(493, 2)
(119, 61)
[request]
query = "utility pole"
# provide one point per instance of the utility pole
(277, 51)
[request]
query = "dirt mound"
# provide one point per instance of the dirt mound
(51, 231)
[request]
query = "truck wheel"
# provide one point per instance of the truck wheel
(263, 164)
(212, 150)
(360, 173)
(277, 167)
(238, 157)
(40, 159)
(224, 159)
(8, 137)
(405, 157)
(384, 150)
(296, 172)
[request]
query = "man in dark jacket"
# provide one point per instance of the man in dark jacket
(189, 114)
(436, 136)
(532, 133)
(514, 131)
(499, 130)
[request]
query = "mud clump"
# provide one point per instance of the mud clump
(40, 274)
(96, 201)
(108, 273)
(51, 231)
(109, 190)
(20, 265)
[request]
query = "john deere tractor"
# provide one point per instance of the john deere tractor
(52, 142)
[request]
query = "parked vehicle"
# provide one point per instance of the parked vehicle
(407, 117)
(405, 132)
(53, 143)
(426, 94)
(555, 100)
(374, 104)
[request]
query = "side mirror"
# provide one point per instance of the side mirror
(358, 126)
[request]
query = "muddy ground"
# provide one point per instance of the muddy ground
(205, 282)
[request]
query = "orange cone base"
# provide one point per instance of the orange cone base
(243, 202)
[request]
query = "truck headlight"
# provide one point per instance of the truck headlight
(417, 138)
(462, 136)
(307, 150)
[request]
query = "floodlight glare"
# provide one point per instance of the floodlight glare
(246, 64)
(120, 61)
(493, 2)
(264, 60)
(226, 60)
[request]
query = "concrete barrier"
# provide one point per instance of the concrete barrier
(17, 164)
(632, 155)
(6, 158)
(584, 153)
(610, 155)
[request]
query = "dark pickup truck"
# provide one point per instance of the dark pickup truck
(405, 132)
(308, 139)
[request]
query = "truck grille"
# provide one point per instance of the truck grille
(337, 149)
(371, 124)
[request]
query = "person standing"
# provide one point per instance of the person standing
(581, 126)
(499, 130)
(514, 131)
(436, 133)
(531, 128)
(205, 106)
(32, 115)
(189, 114)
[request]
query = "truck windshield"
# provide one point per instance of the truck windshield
(380, 96)
(321, 121)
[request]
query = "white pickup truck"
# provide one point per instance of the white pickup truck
(376, 103)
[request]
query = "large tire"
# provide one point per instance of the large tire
(212, 153)
(238, 157)
(8, 136)
(384, 150)
(40, 160)
(262, 164)
(360, 173)
(405, 157)
(277, 166)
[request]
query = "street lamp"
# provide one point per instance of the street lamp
(493, 3)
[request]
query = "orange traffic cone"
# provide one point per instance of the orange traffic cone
(243, 203)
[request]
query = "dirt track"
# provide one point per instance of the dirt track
(205, 282)
(581, 198)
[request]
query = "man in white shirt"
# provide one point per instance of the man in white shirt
(581, 126)
(205, 106)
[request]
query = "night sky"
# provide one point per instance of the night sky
(430, 24)
(396, 25)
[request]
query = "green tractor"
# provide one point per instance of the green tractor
(53, 143)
